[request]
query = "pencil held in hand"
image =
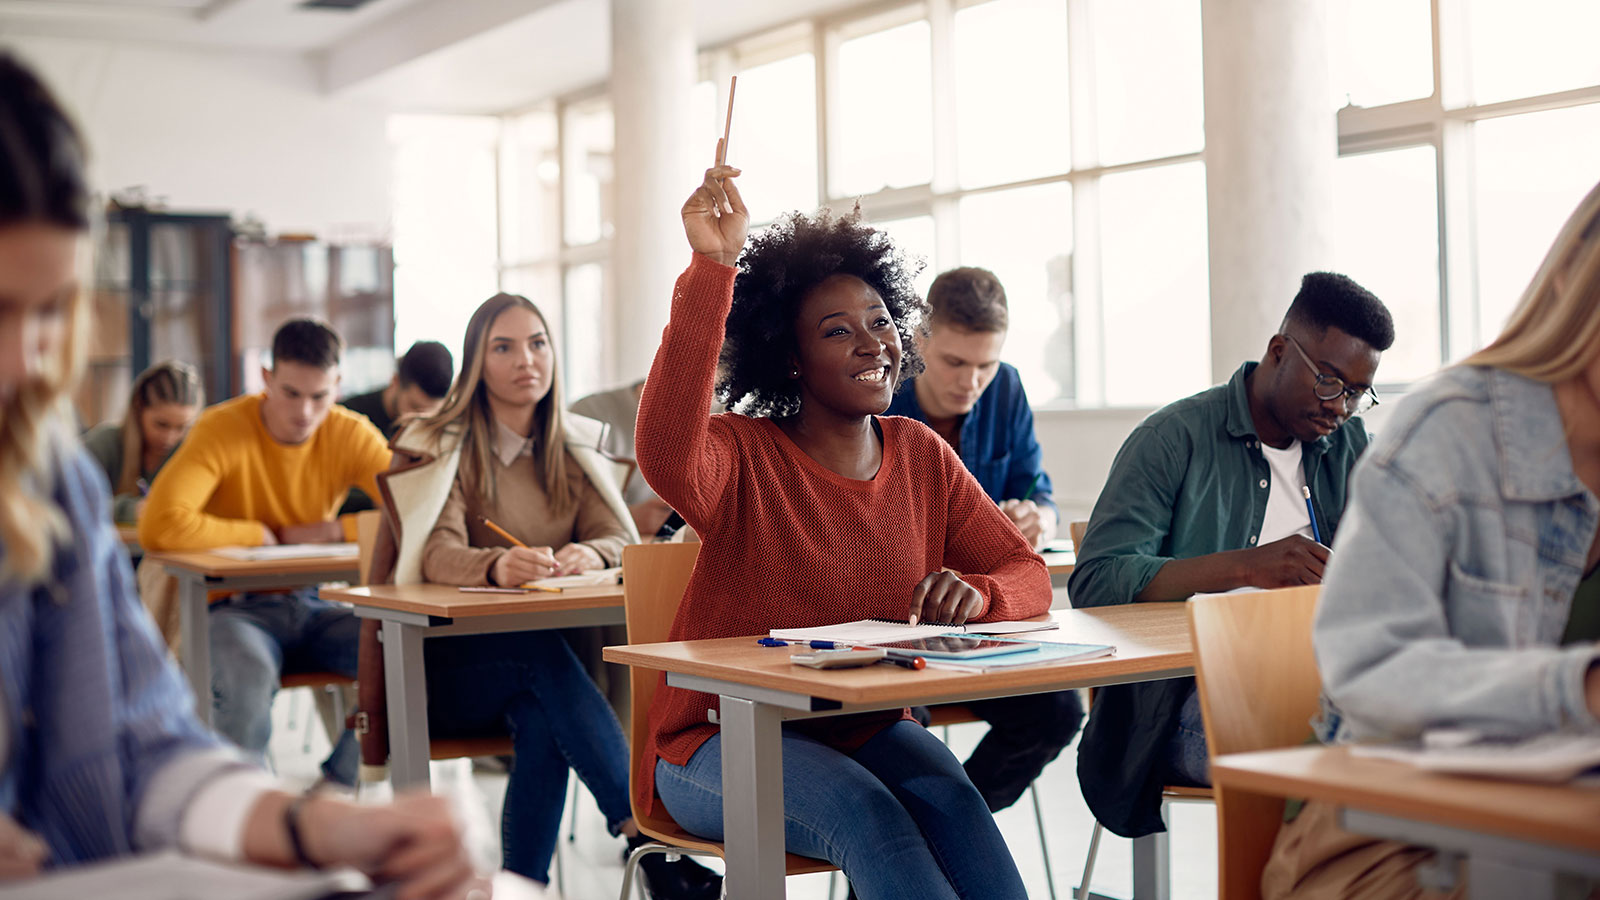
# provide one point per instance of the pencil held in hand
(502, 532)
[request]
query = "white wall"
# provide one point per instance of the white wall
(1079, 445)
(240, 132)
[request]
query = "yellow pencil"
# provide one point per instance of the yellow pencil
(502, 532)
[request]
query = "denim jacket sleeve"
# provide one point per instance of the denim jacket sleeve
(1406, 637)
(1126, 543)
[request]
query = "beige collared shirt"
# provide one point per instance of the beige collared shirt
(508, 445)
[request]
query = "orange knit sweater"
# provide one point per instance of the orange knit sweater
(789, 543)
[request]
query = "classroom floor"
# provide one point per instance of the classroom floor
(593, 860)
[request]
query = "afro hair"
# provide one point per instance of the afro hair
(779, 266)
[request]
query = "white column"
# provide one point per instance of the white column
(652, 74)
(1271, 144)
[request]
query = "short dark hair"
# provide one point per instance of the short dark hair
(1330, 300)
(429, 366)
(969, 298)
(779, 267)
(308, 341)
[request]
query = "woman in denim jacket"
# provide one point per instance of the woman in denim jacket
(1463, 590)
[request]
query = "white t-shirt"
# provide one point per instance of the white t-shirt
(1286, 505)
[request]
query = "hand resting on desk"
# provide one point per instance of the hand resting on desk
(22, 854)
(943, 597)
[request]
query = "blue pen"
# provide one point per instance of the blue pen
(1316, 533)
(772, 642)
(830, 645)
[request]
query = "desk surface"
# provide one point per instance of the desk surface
(211, 565)
(1150, 638)
(1547, 814)
(1059, 562)
(451, 602)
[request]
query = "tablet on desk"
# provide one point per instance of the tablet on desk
(955, 646)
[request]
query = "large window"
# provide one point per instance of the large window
(1456, 172)
(1060, 144)
(974, 136)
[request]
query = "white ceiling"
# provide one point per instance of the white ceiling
(467, 56)
(255, 24)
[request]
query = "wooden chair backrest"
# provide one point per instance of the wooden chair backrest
(367, 523)
(1258, 684)
(1075, 531)
(654, 577)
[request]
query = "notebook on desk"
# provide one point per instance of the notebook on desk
(1038, 654)
(1555, 758)
(592, 578)
(164, 876)
(877, 631)
(287, 551)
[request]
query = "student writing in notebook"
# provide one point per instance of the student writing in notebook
(101, 755)
(977, 404)
(814, 509)
(503, 451)
(1209, 494)
(272, 468)
(1465, 587)
(161, 406)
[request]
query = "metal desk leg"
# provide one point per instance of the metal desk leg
(1152, 867)
(406, 686)
(1488, 878)
(194, 622)
(752, 799)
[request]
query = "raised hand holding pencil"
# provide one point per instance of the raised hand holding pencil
(715, 219)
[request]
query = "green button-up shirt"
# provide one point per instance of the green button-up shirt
(1189, 481)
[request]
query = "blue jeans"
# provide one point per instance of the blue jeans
(531, 683)
(255, 638)
(898, 815)
(1186, 762)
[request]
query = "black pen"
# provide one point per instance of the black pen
(906, 662)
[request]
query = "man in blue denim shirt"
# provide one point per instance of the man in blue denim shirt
(976, 403)
(1216, 492)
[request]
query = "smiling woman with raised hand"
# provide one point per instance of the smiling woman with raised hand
(836, 513)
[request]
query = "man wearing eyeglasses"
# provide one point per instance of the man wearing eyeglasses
(1239, 486)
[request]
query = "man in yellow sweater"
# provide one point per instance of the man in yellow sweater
(265, 469)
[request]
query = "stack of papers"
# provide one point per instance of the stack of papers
(1042, 654)
(288, 551)
(582, 579)
(1555, 758)
(879, 631)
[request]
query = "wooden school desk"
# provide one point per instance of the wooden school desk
(412, 612)
(1517, 838)
(760, 689)
(200, 571)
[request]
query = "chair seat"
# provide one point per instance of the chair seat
(950, 714)
(1180, 793)
(313, 679)
(456, 748)
(670, 834)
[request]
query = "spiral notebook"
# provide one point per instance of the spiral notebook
(878, 631)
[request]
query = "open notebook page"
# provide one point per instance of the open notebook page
(287, 551)
(878, 631)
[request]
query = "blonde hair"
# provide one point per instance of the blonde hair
(169, 381)
(32, 433)
(1554, 333)
(466, 411)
